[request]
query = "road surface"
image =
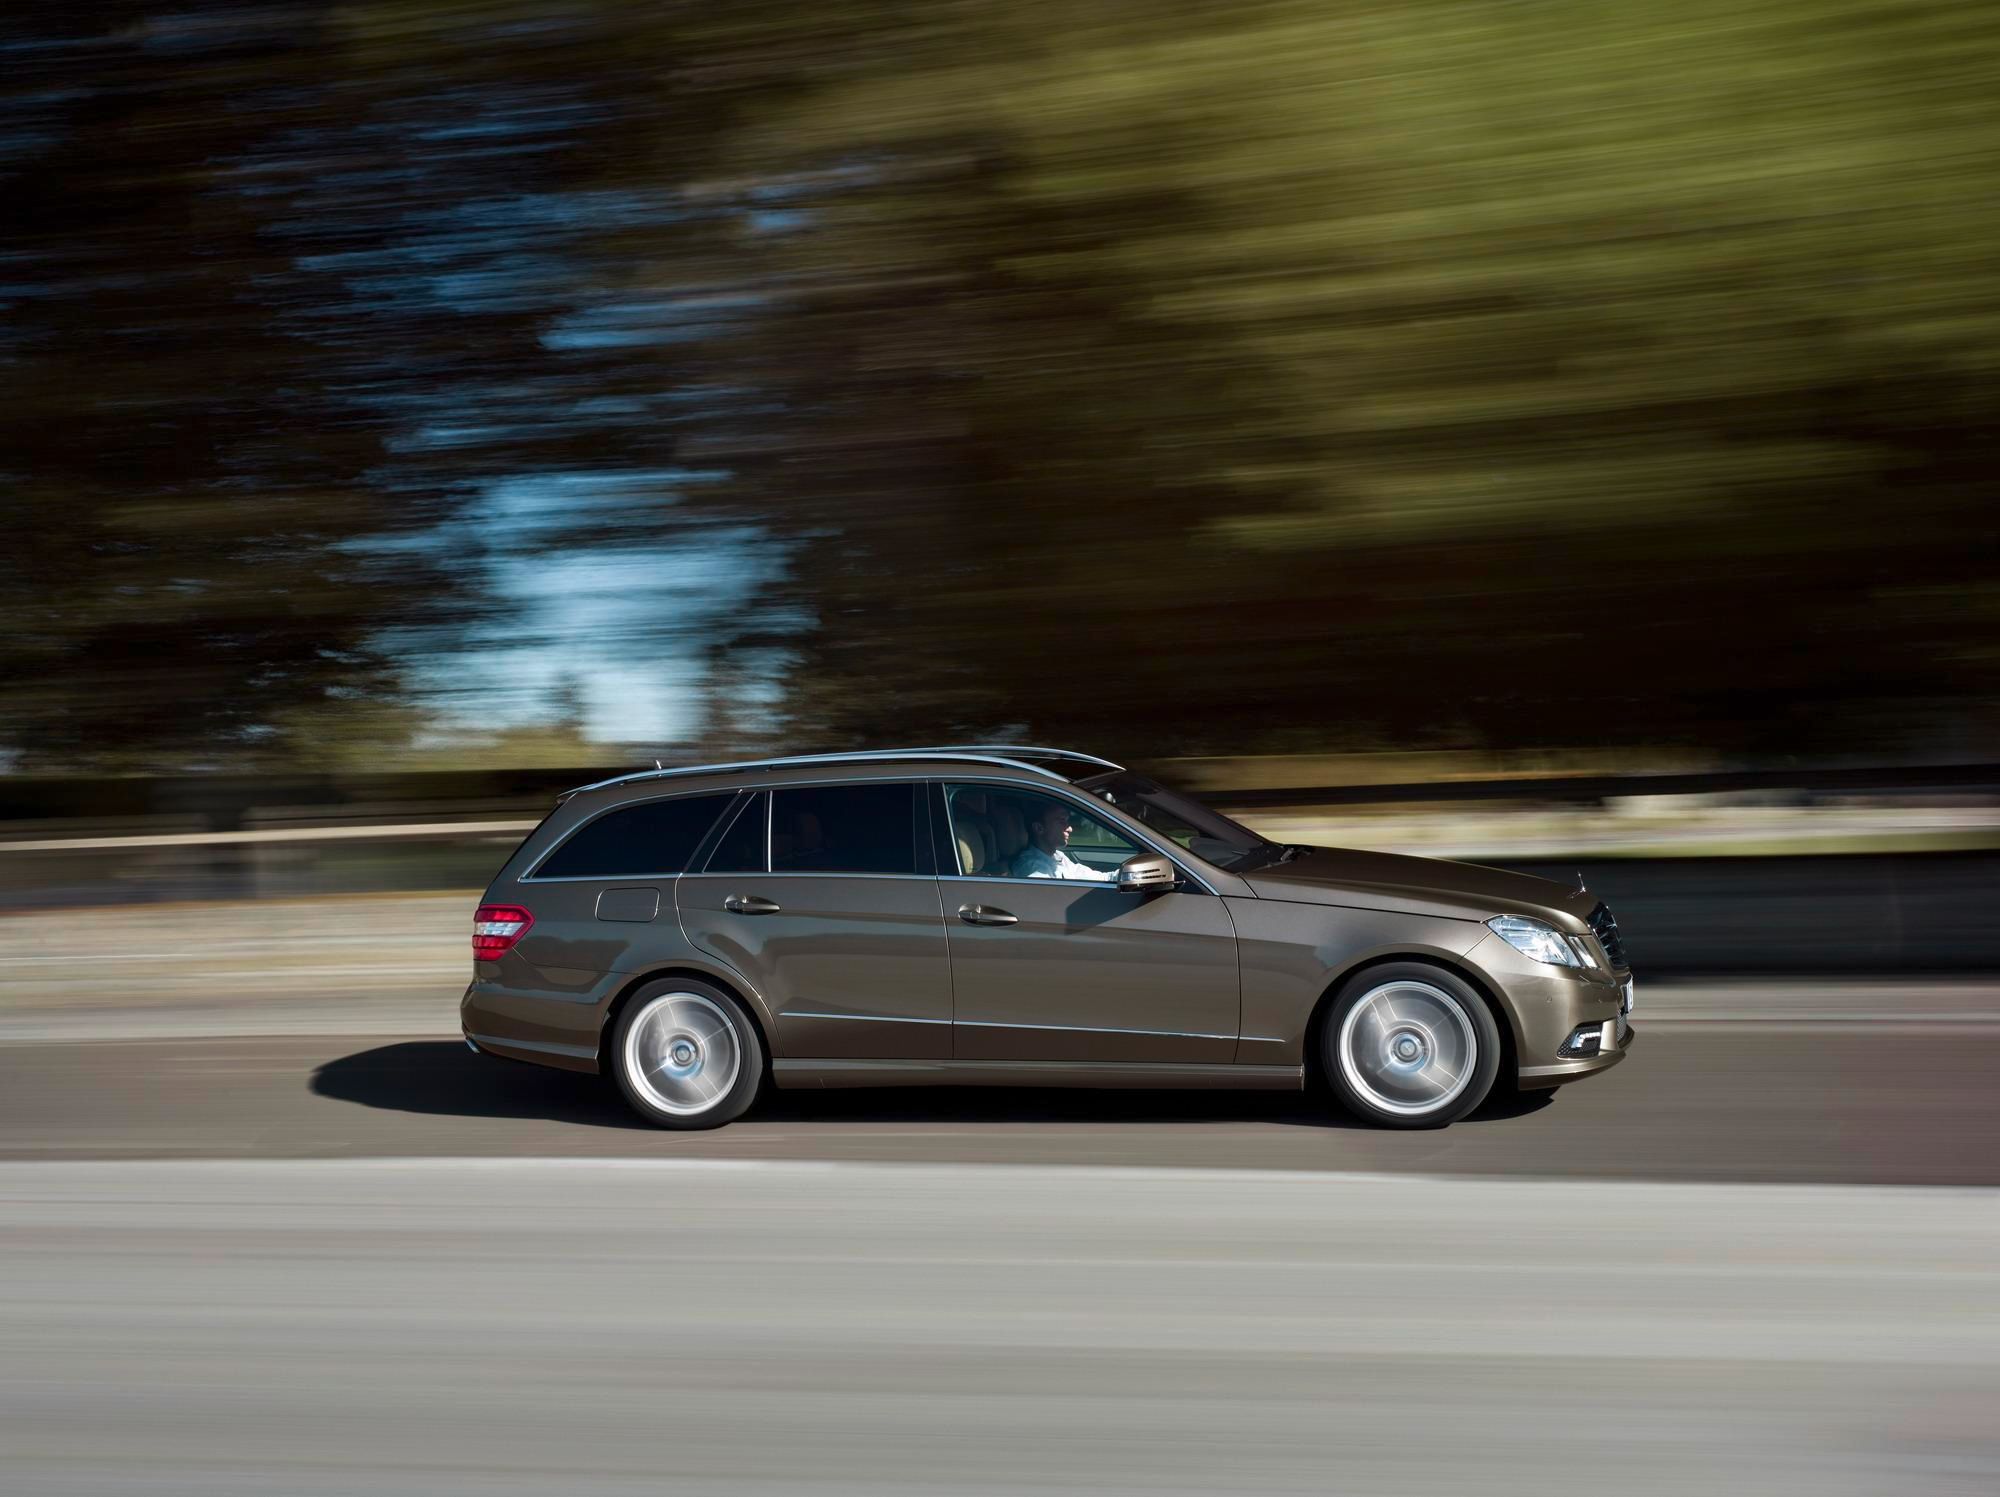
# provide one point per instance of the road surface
(678, 1325)
(1836, 1102)
(267, 1227)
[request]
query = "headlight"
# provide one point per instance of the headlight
(1533, 938)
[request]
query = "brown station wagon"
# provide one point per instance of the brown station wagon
(1022, 917)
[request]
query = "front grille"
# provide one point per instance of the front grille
(1606, 930)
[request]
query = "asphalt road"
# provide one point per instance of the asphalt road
(307, 1244)
(648, 1326)
(1853, 1101)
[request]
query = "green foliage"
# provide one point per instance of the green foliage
(1524, 372)
(1167, 376)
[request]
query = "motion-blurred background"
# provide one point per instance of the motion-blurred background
(1522, 431)
(1558, 433)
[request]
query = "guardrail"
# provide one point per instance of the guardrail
(250, 837)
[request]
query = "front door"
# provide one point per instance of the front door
(1049, 961)
(823, 896)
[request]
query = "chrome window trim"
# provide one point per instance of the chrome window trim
(1096, 811)
(927, 878)
(1015, 878)
(1060, 790)
(532, 876)
(599, 878)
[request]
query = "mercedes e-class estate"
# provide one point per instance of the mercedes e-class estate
(1018, 916)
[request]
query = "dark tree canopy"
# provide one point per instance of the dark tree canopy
(1159, 376)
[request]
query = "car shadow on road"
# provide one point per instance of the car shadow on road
(443, 1078)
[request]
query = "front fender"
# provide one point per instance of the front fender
(1291, 954)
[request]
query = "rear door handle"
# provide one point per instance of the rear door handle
(980, 914)
(750, 904)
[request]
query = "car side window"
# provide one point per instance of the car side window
(741, 849)
(846, 829)
(998, 832)
(651, 838)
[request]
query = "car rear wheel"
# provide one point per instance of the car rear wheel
(686, 1055)
(1410, 1046)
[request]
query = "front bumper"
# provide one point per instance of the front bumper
(1546, 1005)
(1530, 1078)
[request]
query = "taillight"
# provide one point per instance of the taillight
(495, 929)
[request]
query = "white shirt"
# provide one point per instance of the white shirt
(1032, 862)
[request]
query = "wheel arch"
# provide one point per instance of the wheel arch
(729, 982)
(1503, 1016)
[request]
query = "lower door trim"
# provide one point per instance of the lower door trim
(843, 1073)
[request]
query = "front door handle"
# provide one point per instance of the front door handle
(980, 914)
(750, 904)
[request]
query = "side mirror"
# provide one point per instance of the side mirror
(1147, 871)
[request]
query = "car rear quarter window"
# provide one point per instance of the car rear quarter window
(846, 829)
(652, 837)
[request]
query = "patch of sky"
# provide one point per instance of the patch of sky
(623, 629)
(526, 509)
(777, 220)
(444, 438)
(603, 584)
(208, 29)
(28, 46)
(632, 324)
(525, 213)
(519, 287)
(612, 408)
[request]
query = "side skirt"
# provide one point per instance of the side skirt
(841, 1073)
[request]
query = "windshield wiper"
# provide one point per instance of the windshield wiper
(1265, 856)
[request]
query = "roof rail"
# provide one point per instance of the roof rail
(1002, 754)
(1024, 751)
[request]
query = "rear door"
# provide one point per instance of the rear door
(1065, 966)
(825, 897)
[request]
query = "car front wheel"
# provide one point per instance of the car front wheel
(1410, 1046)
(686, 1055)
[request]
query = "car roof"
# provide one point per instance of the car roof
(1042, 763)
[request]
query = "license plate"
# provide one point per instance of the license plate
(1625, 998)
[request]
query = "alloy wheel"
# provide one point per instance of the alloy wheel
(1408, 1047)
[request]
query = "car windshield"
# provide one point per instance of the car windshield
(1208, 834)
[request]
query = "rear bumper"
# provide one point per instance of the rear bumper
(543, 1031)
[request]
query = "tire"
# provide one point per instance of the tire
(1410, 1045)
(686, 1055)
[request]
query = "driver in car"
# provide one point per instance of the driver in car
(1044, 857)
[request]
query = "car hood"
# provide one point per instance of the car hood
(1426, 886)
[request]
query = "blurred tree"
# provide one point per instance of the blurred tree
(1182, 374)
(294, 295)
(1159, 375)
(181, 486)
